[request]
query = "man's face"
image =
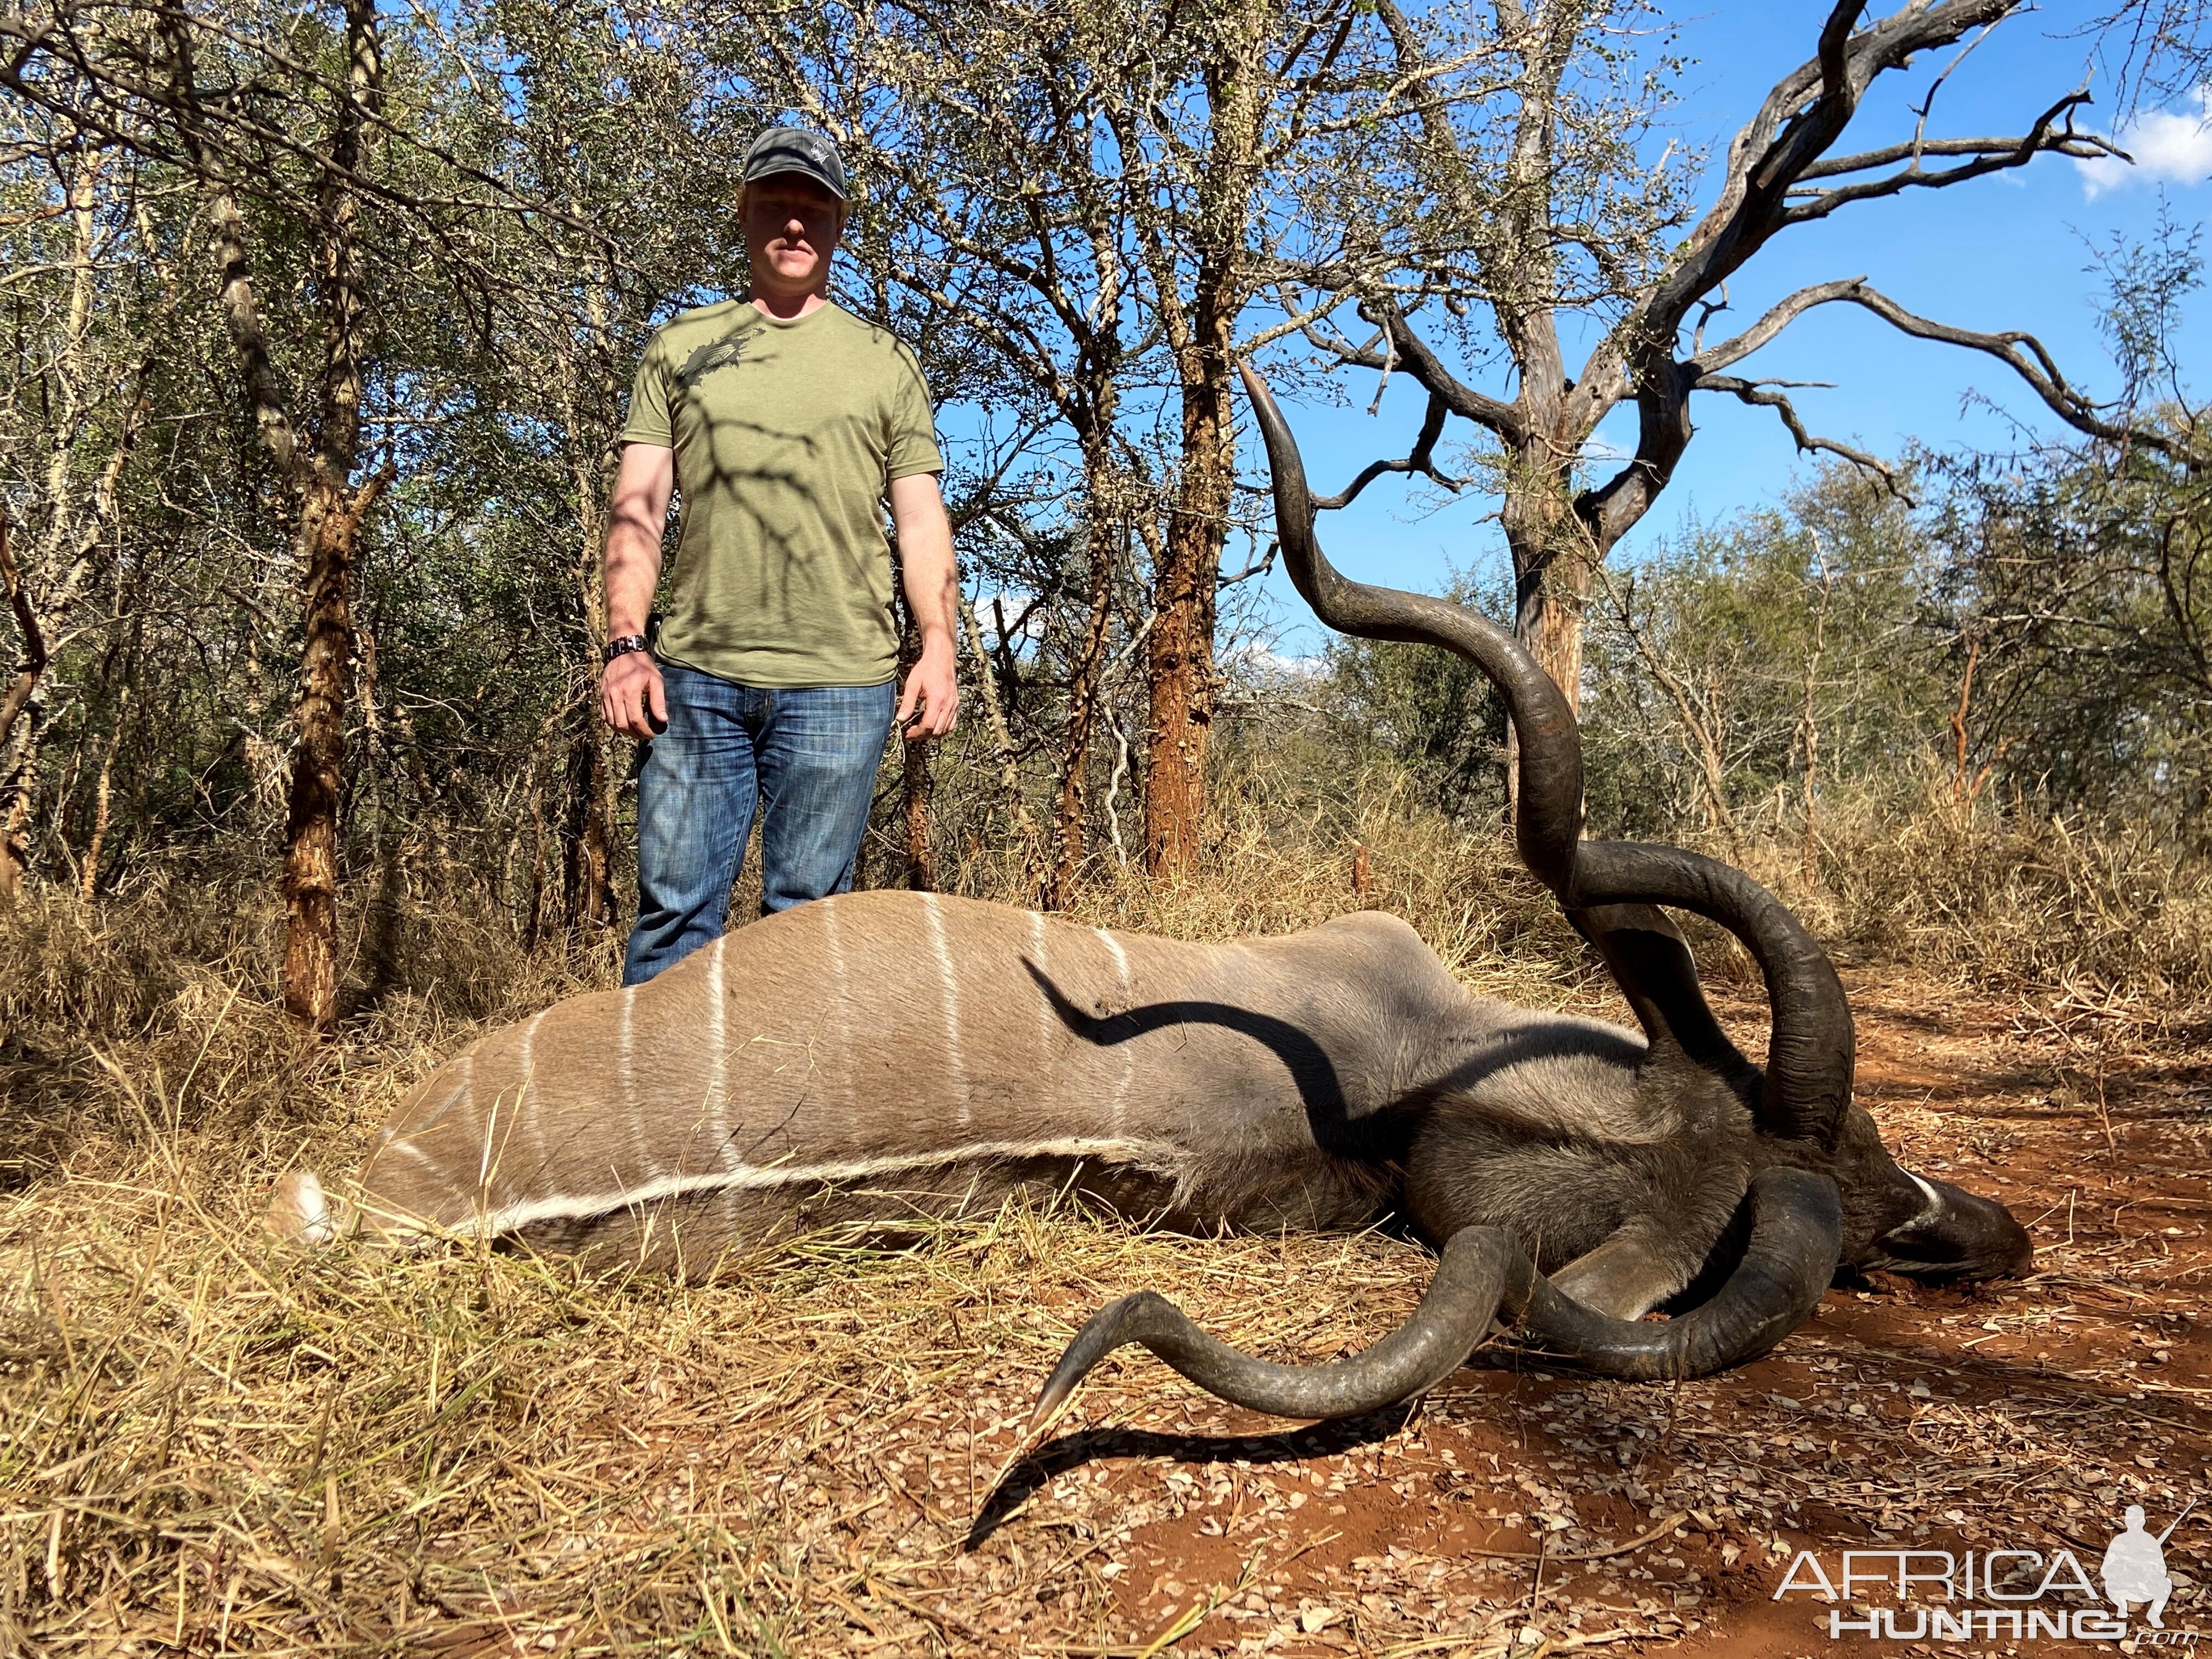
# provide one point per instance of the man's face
(791, 226)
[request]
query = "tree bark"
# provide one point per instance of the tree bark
(587, 864)
(915, 787)
(330, 527)
(1072, 821)
(1181, 651)
(15, 785)
(330, 516)
(587, 826)
(1002, 741)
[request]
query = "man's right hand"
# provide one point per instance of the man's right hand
(632, 699)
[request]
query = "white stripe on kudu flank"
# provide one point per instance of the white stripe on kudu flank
(1046, 1018)
(465, 1086)
(523, 1113)
(762, 1177)
(625, 1035)
(641, 1149)
(718, 1049)
(1128, 1054)
(956, 1066)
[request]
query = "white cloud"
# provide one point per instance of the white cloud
(2172, 144)
(1008, 602)
(1268, 666)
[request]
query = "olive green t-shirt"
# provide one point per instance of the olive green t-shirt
(787, 436)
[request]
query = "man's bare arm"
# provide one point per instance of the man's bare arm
(631, 683)
(932, 696)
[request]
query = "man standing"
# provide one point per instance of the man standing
(787, 423)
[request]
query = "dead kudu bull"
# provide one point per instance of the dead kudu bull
(884, 1056)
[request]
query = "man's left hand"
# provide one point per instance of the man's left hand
(931, 696)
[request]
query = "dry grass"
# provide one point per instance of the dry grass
(215, 1450)
(2039, 907)
(206, 1451)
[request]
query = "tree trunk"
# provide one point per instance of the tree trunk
(915, 787)
(1552, 557)
(1181, 661)
(1002, 741)
(587, 892)
(329, 528)
(1181, 650)
(15, 783)
(1551, 623)
(586, 877)
(19, 790)
(103, 800)
(915, 784)
(331, 516)
(1552, 553)
(587, 827)
(1072, 821)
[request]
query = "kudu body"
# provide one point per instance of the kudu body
(881, 1056)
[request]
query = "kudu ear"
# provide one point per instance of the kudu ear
(1651, 962)
(1612, 885)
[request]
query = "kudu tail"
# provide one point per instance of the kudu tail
(302, 1215)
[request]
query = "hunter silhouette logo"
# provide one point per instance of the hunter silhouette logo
(1999, 1593)
(2134, 1567)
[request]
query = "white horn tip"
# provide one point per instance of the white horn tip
(299, 1212)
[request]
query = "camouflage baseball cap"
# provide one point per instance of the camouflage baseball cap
(796, 150)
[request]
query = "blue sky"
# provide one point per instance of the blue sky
(2007, 252)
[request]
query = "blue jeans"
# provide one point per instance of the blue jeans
(807, 756)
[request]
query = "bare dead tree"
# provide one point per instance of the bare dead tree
(1533, 254)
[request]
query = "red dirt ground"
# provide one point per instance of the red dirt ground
(2027, 1413)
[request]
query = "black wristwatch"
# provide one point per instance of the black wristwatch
(623, 646)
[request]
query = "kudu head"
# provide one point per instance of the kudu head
(1826, 1196)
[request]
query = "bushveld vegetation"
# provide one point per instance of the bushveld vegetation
(321, 325)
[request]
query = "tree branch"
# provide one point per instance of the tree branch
(1420, 458)
(1410, 352)
(1991, 155)
(1766, 394)
(1778, 317)
(2027, 357)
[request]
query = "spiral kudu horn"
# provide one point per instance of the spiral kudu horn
(1808, 1081)
(1610, 888)
(1484, 1276)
